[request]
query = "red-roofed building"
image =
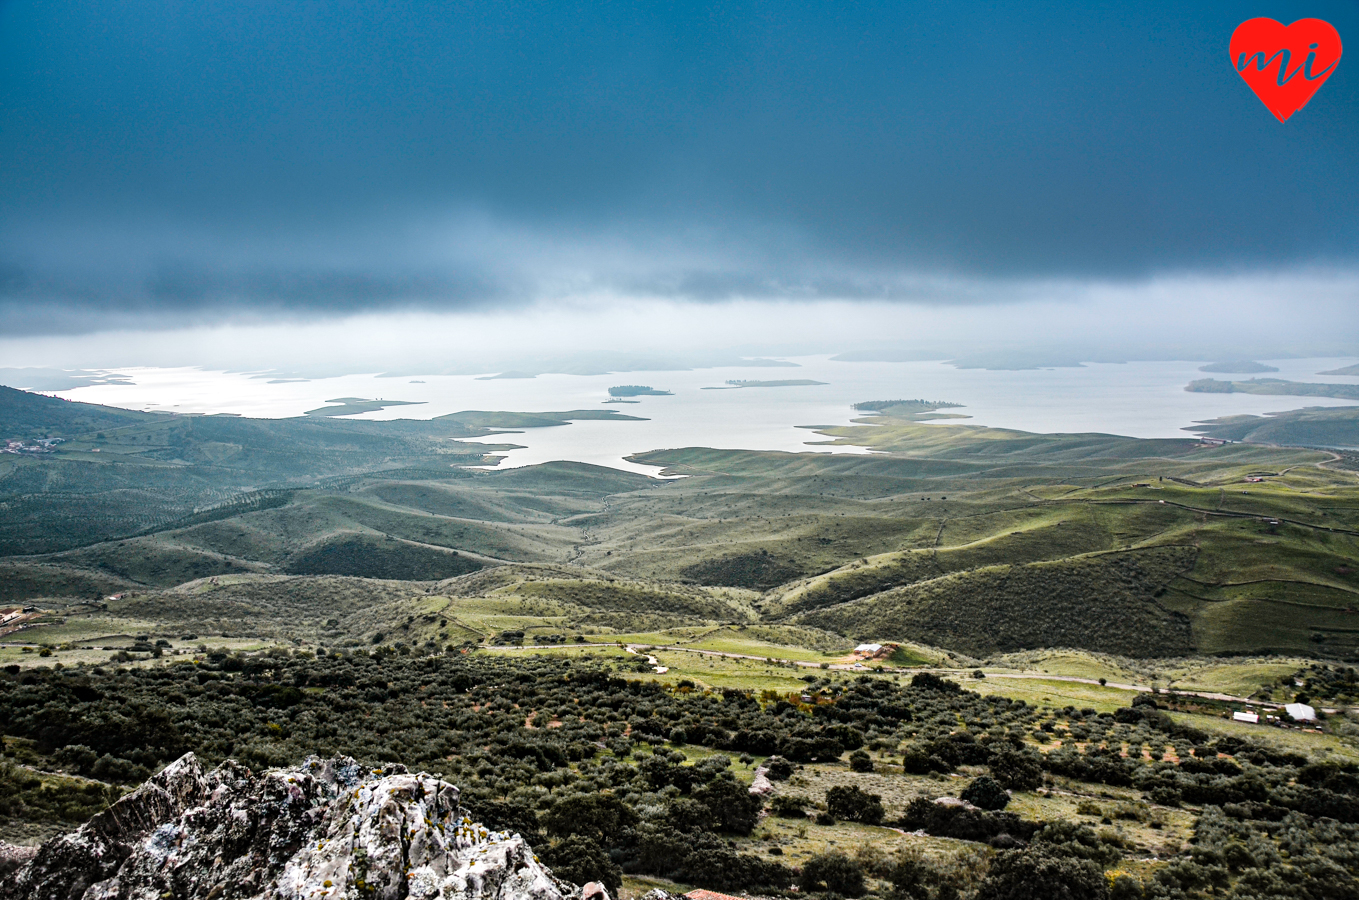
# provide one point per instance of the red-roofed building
(711, 895)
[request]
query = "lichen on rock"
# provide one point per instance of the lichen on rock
(326, 830)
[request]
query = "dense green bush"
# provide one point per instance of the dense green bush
(1039, 875)
(1072, 839)
(601, 788)
(789, 806)
(579, 860)
(601, 817)
(853, 804)
(957, 821)
(1015, 770)
(757, 571)
(834, 872)
(985, 793)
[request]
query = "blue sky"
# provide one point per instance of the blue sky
(228, 159)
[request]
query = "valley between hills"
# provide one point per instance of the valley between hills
(1072, 576)
(975, 541)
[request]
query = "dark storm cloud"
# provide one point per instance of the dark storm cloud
(222, 155)
(339, 290)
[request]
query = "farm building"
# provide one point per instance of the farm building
(1301, 712)
(711, 895)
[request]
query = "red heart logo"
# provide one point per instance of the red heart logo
(1285, 65)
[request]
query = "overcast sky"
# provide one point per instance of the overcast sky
(166, 161)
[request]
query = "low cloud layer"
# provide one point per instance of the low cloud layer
(172, 164)
(1025, 325)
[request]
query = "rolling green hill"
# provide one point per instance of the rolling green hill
(119, 473)
(1333, 426)
(259, 596)
(27, 415)
(971, 539)
(1104, 602)
(372, 557)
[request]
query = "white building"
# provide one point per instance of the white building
(1301, 712)
(1250, 717)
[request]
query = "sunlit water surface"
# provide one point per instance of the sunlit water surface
(1144, 399)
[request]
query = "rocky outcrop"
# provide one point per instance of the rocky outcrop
(326, 830)
(761, 785)
(13, 856)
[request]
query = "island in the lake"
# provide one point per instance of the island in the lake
(1238, 367)
(353, 406)
(636, 390)
(736, 383)
(1275, 386)
(1347, 370)
(915, 410)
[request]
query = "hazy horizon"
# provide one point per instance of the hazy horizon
(238, 183)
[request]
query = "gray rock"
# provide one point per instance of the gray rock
(953, 801)
(326, 830)
(593, 890)
(760, 785)
(12, 856)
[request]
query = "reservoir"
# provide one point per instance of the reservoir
(1137, 399)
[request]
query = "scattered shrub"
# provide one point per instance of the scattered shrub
(854, 805)
(834, 872)
(986, 794)
(1037, 875)
(1016, 770)
(859, 761)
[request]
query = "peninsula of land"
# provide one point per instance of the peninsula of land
(1275, 386)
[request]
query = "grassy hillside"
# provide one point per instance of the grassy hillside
(371, 557)
(1312, 427)
(28, 415)
(759, 570)
(976, 540)
(24, 581)
(1104, 602)
(996, 564)
(119, 473)
(320, 609)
